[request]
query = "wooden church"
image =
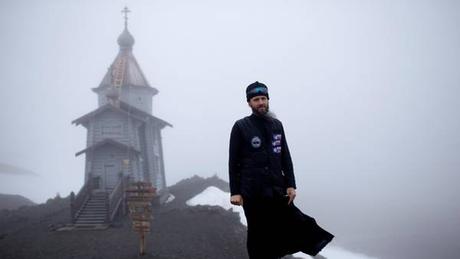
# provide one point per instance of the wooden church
(124, 141)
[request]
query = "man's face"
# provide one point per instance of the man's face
(259, 104)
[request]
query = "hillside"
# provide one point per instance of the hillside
(178, 231)
(11, 202)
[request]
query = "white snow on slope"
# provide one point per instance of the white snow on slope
(214, 196)
(170, 198)
(335, 252)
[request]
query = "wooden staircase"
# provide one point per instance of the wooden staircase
(93, 214)
(95, 208)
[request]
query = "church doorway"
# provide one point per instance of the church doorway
(110, 177)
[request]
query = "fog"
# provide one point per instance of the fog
(367, 92)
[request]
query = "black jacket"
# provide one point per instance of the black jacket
(260, 164)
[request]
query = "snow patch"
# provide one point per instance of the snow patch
(214, 196)
(170, 198)
(335, 252)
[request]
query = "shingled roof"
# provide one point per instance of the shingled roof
(108, 142)
(125, 109)
(125, 64)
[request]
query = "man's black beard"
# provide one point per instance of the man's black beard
(267, 112)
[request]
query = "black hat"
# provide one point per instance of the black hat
(256, 89)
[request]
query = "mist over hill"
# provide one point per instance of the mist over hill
(10, 201)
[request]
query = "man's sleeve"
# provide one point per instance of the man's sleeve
(234, 160)
(286, 163)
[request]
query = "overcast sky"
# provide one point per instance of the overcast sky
(367, 90)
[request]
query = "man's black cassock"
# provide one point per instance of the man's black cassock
(260, 169)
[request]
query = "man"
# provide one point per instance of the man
(262, 181)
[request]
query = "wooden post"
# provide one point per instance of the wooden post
(142, 244)
(139, 198)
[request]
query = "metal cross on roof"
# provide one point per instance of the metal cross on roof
(125, 12)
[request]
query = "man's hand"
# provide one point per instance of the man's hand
(236, 200)
(291, 193)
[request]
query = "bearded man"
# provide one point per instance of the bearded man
(262, 181)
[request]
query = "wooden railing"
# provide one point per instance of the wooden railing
(116, 199)
(77, 202)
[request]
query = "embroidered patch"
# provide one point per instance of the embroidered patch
(276, 143)
(256, 142)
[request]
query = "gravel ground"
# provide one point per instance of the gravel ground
(177, 231)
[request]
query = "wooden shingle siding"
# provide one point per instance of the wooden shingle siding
(161, 181)
(102, 99)
(140, 98)
(111, 125)
(149, 151)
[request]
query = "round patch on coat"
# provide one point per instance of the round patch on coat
(256, 142)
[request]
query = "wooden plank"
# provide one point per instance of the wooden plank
(147, 190)
(148, 219)
(142, 216)
(141, 223)
(139, 210)
(135, 216)
(139, 203)
(139, 195)
(142, 230)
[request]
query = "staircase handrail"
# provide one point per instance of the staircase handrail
(116, 198)
(77, 202)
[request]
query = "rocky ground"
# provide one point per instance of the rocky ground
(178, 231)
